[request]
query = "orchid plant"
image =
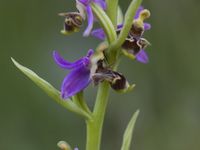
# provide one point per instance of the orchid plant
(120, 35)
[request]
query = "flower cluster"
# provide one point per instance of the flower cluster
(93, 67)
(98, 65)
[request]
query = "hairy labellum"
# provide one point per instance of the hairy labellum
(73, 22)
(133, 45)
(116, 80)
(134, 42)
(119, 81)
(136, 32)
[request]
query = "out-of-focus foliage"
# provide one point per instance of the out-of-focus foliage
(167, 89)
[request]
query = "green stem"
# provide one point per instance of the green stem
(94, 126)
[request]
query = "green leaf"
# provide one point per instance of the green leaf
(112, 10)
(128, 20)
(120, 17)
(129, 131)
(50, 90)
(105, 22)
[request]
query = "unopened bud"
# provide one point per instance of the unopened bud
(64, 145)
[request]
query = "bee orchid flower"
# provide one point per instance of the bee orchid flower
(134, 44)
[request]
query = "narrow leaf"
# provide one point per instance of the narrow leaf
(50, 90)
(112, 10)
(105, 22)
(129, 131)
(120, 17)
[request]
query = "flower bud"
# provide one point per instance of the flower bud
(64, 145)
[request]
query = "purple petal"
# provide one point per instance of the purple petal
(147, 26)
(119, 26)
(90, 53)
(65, 64)
(90, 19)
(75, 148)
(84, 2)
(98, 33)
(142, 57)
(137, 14)
(77, 80)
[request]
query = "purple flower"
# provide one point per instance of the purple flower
(79, 76)
(132, 43)
(85, 10)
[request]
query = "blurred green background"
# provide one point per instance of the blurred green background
(167, 92)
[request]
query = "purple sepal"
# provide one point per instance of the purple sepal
(84, 2)
(77, 80)
(98, 33)
(138, 12)
(142, 57)
(65, 64)
(79, 77)
(90, 19)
